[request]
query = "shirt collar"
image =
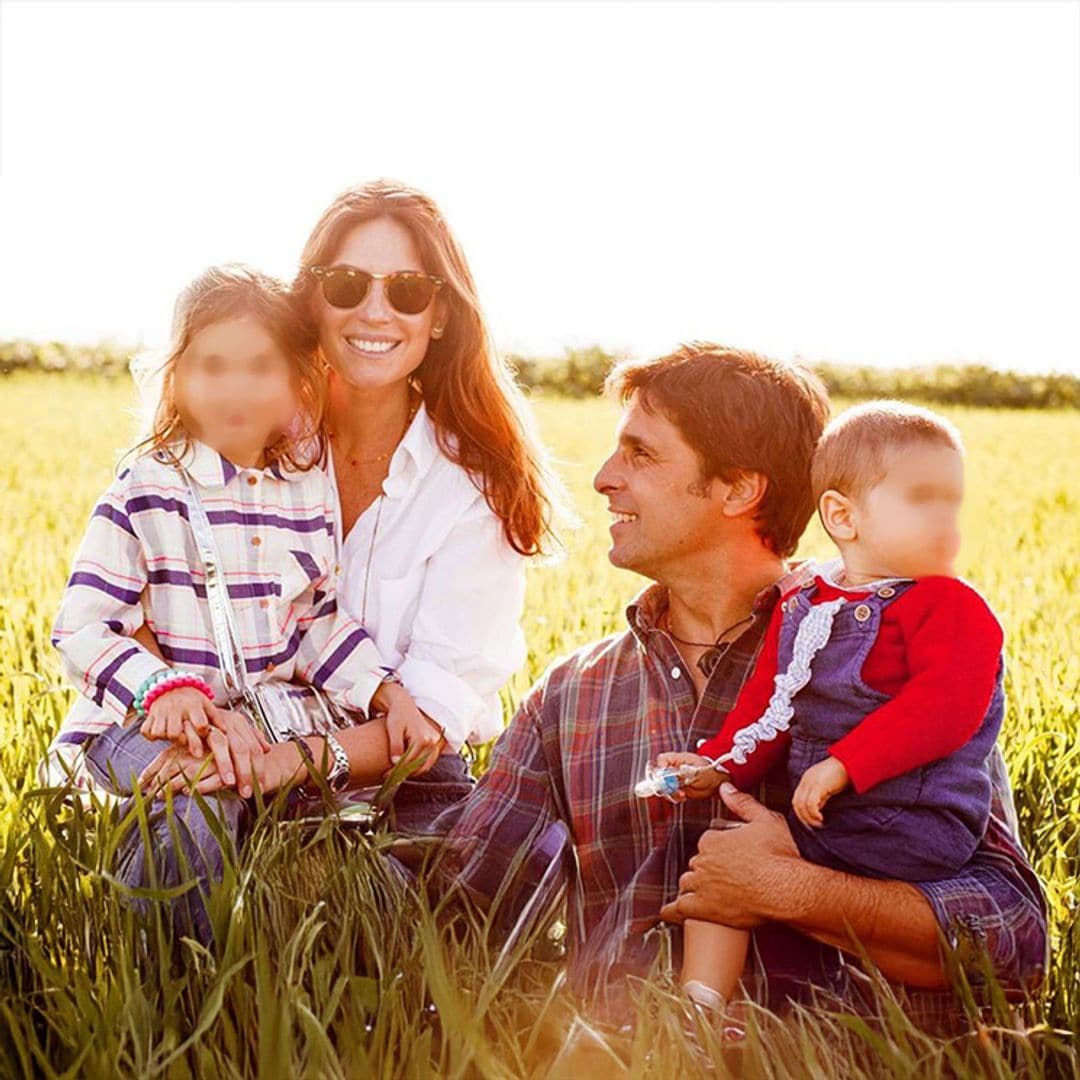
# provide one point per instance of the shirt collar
(415, 455)
(643, 613)
(211, 469)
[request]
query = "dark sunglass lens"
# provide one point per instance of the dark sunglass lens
(410, 293)
(345, 290)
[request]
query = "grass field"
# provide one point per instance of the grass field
(327, 971)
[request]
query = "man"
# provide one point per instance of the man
(709, 489)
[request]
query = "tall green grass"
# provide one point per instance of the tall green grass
(327, 966)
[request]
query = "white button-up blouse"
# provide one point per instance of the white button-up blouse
(445, 590)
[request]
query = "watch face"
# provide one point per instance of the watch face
(339, 780)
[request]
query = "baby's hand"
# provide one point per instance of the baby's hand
(699, 786)
(818, 785)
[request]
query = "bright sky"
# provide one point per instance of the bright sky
(883, 182)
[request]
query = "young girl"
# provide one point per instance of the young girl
(240, 402)
(881, 681)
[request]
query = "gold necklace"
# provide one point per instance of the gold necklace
(413, 408)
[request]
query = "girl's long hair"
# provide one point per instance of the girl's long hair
(226, 292)
(481, 419)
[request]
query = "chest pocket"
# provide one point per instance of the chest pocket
(299, 570)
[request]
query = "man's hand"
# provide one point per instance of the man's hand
(408, 728)
(741, 876)
(816, 787)
(702, 784)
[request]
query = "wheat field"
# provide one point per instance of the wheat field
(328, 970)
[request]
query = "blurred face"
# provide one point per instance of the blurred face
(907, 524)
(234, 387)
(373, 345)
(660, 510)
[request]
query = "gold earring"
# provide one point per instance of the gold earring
(436, 331)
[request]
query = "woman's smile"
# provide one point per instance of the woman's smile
(372, 346)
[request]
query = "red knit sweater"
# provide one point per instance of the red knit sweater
(936, 656)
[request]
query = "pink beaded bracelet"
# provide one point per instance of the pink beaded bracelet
(174, 682)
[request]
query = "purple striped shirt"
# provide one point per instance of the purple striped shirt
(138, 564)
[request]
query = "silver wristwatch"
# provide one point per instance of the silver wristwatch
(337, 778)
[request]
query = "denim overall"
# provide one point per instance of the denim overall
(920, 826)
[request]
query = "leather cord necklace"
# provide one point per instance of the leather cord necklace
(714, 650)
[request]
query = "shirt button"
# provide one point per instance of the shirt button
(269, 667)
(676, 671)
(264, 603)
(253, 480)
(256, 541)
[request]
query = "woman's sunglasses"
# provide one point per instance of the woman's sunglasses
(409, 292)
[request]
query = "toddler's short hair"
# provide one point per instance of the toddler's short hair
(852, 454)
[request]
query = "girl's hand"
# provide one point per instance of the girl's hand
(816, 787)
(702, 784)
(408, 728)
(182, 716)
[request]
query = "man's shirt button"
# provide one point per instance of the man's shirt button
(676, 672)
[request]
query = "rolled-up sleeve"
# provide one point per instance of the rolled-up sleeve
(994, 909)
(467, 640)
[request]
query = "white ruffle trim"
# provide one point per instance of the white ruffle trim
(814, 631)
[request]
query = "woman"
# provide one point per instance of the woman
(442, 490)
(441, 486)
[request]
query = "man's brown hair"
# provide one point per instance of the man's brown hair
(853, 453)
(741, 412)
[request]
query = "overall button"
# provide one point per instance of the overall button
(862, 613)
(886, 592)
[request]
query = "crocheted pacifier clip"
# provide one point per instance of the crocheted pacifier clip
(814, 631)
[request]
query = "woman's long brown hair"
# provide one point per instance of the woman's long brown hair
(480, 417)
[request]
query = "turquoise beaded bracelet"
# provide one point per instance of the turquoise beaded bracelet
(146, 686)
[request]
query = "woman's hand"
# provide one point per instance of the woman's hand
(241, 758)
(176, 768)
(412, 733)
(237, 748)
(181, 715)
